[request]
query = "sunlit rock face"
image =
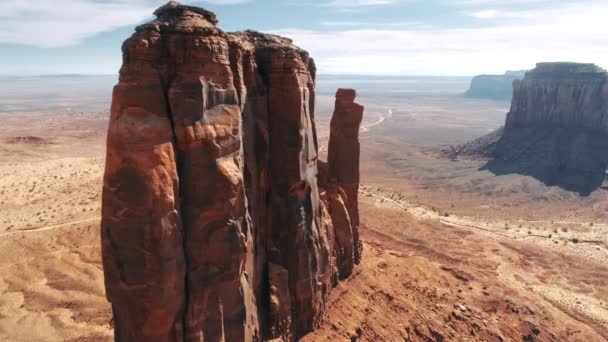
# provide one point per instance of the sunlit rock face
(214, 227)
(561, 94)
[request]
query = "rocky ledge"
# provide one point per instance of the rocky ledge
(214, 225)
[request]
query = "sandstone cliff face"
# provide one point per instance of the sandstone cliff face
(561, 94)
(213, 226)
(556, 130)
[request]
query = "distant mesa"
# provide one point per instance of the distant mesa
(494, 87)
(556, 130)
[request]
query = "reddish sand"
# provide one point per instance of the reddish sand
(451, 253)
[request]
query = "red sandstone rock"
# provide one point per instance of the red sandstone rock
(343, 155)
(344, 243)
(213, 226)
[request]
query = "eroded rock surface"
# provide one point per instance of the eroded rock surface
(213, 226)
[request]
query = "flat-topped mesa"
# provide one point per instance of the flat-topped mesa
(566, 69)
(563, 95)
(556, 131)
(494, 87)
(213, 227)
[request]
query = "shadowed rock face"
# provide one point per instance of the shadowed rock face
(557, 129)
(213, 224)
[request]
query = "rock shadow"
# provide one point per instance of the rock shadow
(570, 158)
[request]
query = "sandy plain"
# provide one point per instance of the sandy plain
(452, 252)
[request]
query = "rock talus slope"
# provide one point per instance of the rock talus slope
(214, 226)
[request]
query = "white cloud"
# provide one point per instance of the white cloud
(225, 2)
(570, 33)
(357, 3)
(54, 24)
(369, 24)
(506, 35)
(485, 14)
(506, 3)
(509, 14)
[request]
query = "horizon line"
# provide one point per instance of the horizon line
(318, 74)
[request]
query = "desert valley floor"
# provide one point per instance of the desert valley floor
(451, 251)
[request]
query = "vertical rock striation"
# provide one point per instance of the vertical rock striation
(213, 224)
(561, 94)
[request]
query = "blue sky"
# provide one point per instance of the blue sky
(374, 37)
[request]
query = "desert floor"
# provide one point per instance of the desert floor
(451, 252)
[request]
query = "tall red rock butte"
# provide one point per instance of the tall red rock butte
(214, 226)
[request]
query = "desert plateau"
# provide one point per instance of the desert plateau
(206, 194)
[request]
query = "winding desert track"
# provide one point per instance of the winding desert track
(55, 226)
(381, 119)
(421, 212)
(367, 127)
